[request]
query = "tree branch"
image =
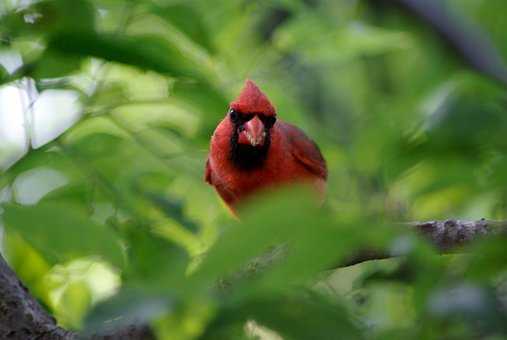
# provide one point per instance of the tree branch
(466, 39)
(447, 236)
(22, 317)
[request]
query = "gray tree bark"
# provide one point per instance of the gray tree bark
(23, 318)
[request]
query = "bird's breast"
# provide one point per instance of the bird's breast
(238, 183)
(234, 183)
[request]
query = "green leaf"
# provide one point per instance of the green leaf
(321, 42)
(49, 16)
(76, 193)
(173, 208)
(147, 52)
(52, 64)
(188, 21)
(74, 303)
(206, 99)
(4, 75)
(476, 305)
(295, 317)
(62, 232)
(29, 265)
(127, 308)
(42, 157)
(63, 15)
(154, 262)
(293, 217)
(488, 258)
(97, 145)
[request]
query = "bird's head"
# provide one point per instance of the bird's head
(252, 117)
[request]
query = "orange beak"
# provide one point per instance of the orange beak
(253, 132)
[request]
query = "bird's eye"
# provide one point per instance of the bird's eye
(233, 115)
(268, 121)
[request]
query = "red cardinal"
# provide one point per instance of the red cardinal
(252, 150)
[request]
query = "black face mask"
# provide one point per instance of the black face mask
(244, 156)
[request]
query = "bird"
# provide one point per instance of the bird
(252, 150)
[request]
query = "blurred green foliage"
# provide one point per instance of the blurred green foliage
(408, 130)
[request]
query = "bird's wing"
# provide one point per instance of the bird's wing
(207, 173)
(227, 195)
(305, 150)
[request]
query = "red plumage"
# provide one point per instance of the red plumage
(251, 151)
(251, 99)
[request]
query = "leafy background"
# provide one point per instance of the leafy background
(107, 214)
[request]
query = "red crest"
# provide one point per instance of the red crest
(252, 100)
